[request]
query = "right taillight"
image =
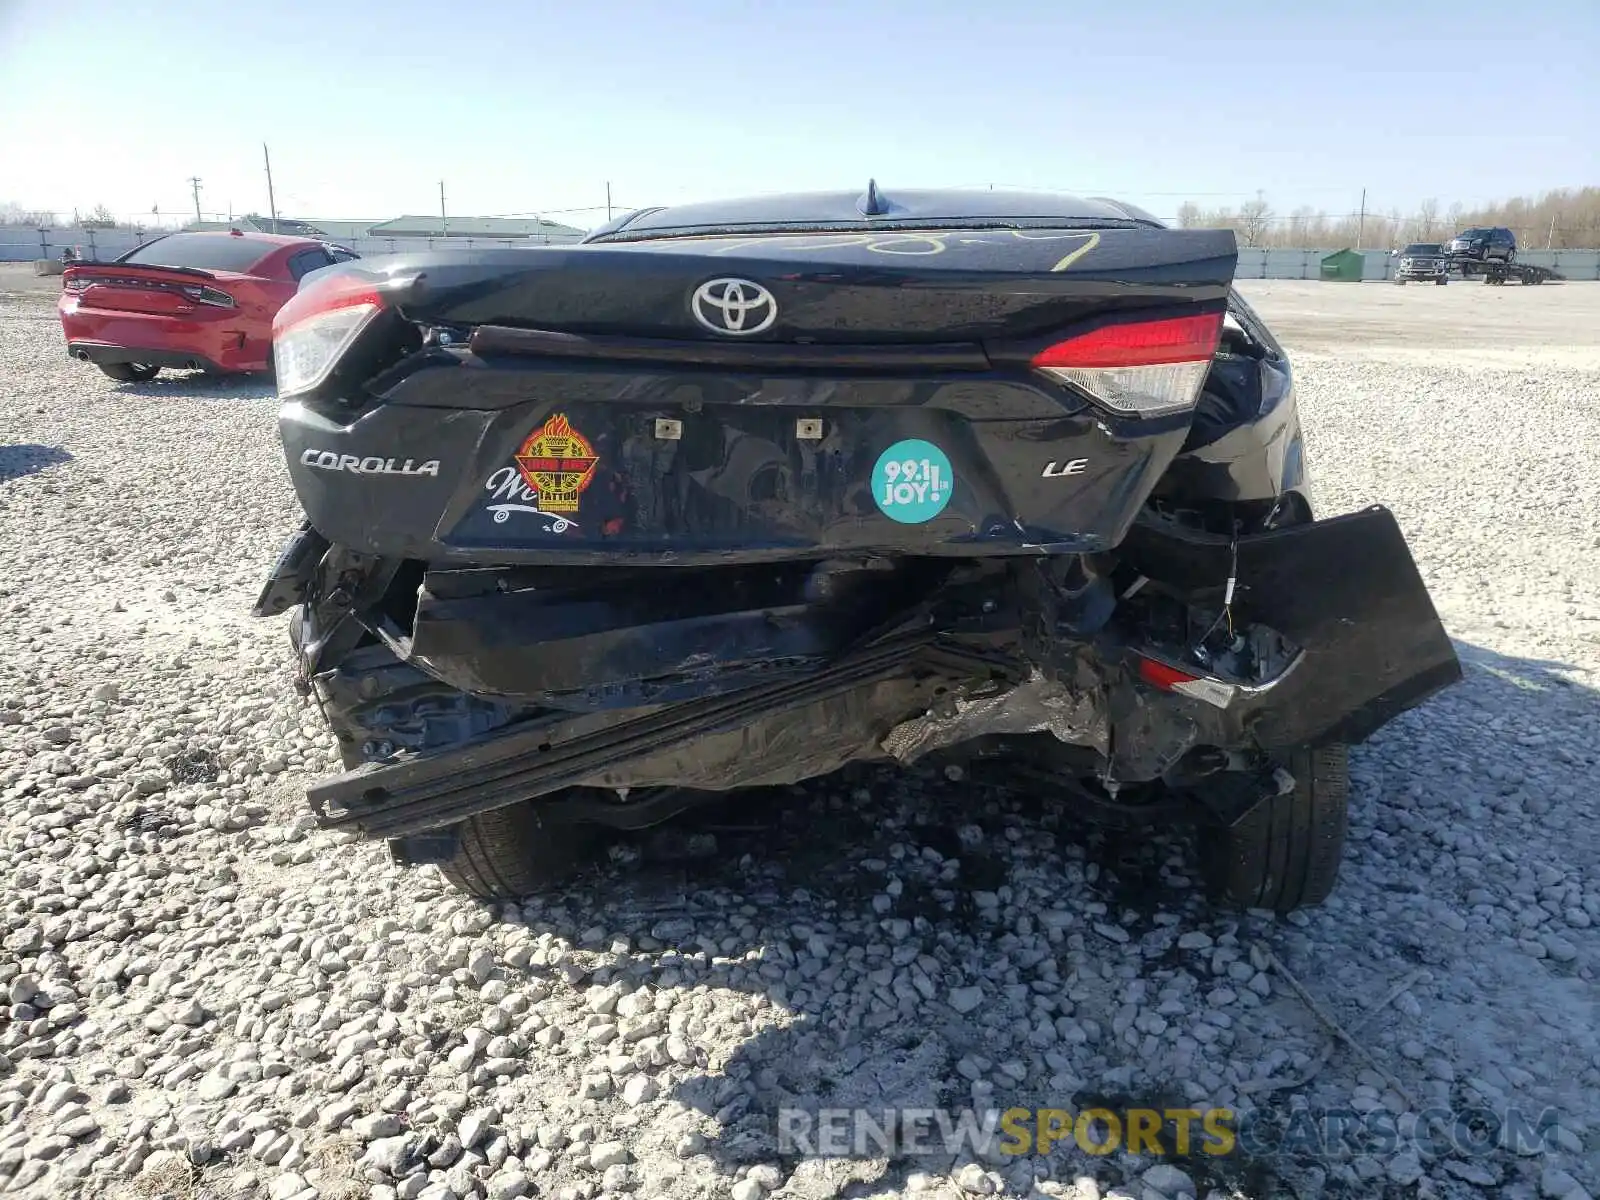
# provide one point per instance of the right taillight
(209, 295)
(315, 328)
(1186, 683)
(1141, 368)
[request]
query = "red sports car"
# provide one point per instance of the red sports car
(202, 301)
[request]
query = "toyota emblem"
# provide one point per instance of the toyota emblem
(734, 306)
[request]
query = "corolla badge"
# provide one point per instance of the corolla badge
(735, 306)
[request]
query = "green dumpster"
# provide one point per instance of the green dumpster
(1344, 266)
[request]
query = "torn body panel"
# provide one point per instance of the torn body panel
(892, 679)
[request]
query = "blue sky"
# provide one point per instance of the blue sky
(533, 106)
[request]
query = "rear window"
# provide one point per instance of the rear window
(201, 251)
(306, 261)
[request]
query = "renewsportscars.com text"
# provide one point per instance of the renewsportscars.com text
(1218, 1132)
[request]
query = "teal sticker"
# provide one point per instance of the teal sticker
(912, 482)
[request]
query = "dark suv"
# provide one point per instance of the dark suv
(1484, 243)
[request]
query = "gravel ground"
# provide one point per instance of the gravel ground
(207, 997)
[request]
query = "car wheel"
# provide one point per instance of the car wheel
(129, 372)
(514, 852)
(1285, 853)
(499, 855)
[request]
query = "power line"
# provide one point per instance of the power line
(1081, 190)
(545, 212)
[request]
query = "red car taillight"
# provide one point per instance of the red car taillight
(209, 295)
(1141, 368)
(199, 293)
(1186, 683)
(315, 328)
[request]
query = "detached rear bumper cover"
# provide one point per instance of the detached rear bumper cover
(1346, 590)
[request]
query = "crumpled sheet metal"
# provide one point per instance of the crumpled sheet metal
(1037, 705)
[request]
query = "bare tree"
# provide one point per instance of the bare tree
(12, 213)
(1427, 219)
(1390, 229)
(1565, 219)
(1300, 226)
(1560, 220)
(1254, 219)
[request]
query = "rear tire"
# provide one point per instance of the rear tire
(513, 852)
(503, 854)
(130, 372)
(1286, 853)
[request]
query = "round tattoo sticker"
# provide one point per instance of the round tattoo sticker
(912, 482)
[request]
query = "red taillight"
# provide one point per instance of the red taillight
(1185, 683)
(317, 326)
(324, 296)
(1141, 368)
(149, 280)
(1159, 674)
(1138, 344)
(215, 297)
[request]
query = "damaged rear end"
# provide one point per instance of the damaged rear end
(594, 532)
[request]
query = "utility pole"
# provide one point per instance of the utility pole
(272, 203)
(608, 201)
(444, 221)
(1361, 221)
(194, 182)
(1550, 238)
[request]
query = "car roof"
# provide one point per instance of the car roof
(266, 239)
(251, 249)
(873, 207)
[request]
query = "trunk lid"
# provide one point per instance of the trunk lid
(131, 287)
(895, 392)
(888, 286)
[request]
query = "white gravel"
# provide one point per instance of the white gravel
(206, 997)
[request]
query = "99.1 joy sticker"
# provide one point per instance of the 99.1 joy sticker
(912, 482)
